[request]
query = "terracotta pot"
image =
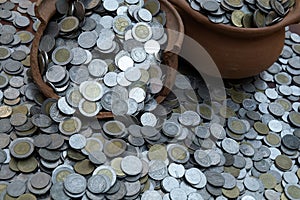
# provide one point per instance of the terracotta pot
(295, 28)
(238, 52)
(46, 9)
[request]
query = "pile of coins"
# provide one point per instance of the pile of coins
(247, 13)
(104, 56)
(189, 147)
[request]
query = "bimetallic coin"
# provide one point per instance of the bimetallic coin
(69, 24)
(69, 126)
(62, 55)
(178, 153)
(89, 108)
(21, 148)
(91, 90)
(142, 32)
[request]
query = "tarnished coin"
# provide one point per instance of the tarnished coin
(69, 24)
(69, 126)
(97, 184)
(21, 148)
(178, 153)
(62, 55)
(75, 183)
(157, 170)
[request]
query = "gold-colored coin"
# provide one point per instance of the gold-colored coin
(232, 193)
(22, 148)
(153, 7)
(178, 153)
(26, 62)
(237, 17)
(268, 180)
(144, 179)
(158, 152)
(278, 188)
(273, 139)
(62, 55)
(75, 155)
(13, 164)
(5, 111)
(69, 24)
(234, 3)
(144, 76)
(25, 36)
(261, 128)
(283, 162)
(233, 171)
(26, 133)
(70, 126)
(226, 112)
(293, 192)
(27, 165)
(147, 186)
(294, 117)
(92, 145)
(259, 19)
(116, 165)
(12, 102)
(283, 197)
(114, 147)
(238, 97)
(285, 104)
(20, 109)
(84, 167)
(27, 196)
(7, 197)
(298, 173)
(247, 20)
(3, 187)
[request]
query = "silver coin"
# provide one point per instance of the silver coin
(97, 184)
(79, 56)
(193, 176)
(132, 74)
(77, 141)
(157, 170)
(178, 193)
(16, 188)
(131, 165)
(110, 79)
(41, 120)
(148, 119)
(87, 40)
(79, 74)
(176, 170)
(98, 68)
(64, 107)
(138, 54)
(151, 195)
(75, 183)
(170, 183)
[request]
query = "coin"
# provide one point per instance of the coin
(75, 183)
(283, 162)
(131, 165)
(21, 148)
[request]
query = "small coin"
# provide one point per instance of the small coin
(131, 165)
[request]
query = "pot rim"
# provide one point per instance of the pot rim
(291, 18)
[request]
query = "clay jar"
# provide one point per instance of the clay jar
(237, 52)
(46, 9)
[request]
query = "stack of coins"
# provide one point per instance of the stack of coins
(89, 55)
(247, 14)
